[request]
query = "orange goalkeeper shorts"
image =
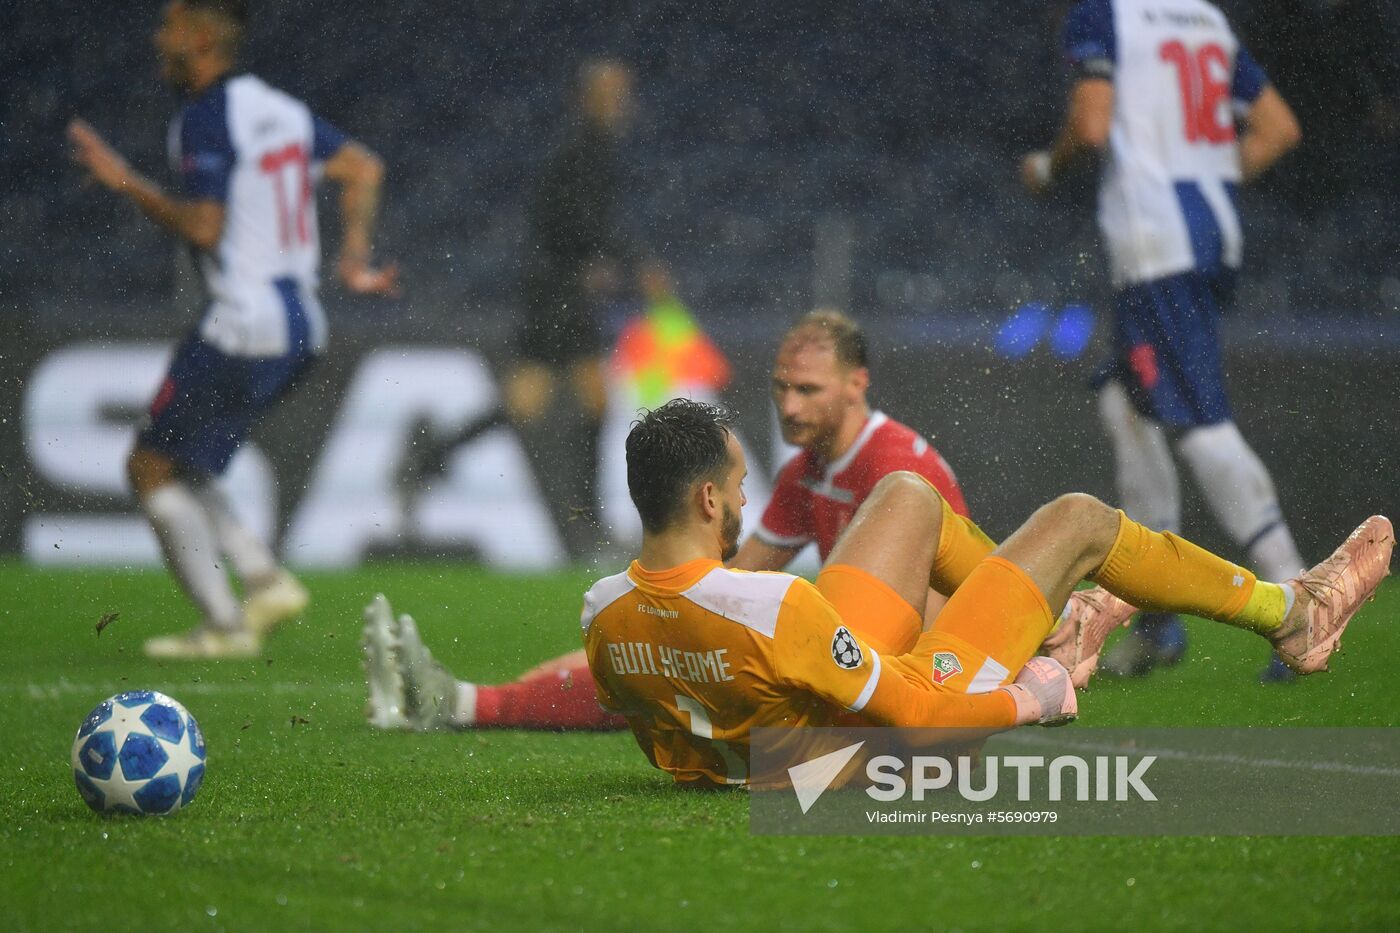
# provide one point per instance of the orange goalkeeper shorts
(993, 624)
(871, 608)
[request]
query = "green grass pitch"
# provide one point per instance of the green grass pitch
(310, 820)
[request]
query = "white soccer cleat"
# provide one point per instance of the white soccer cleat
(205, 643)
(430, 690)
(279, 601)
(380, 641)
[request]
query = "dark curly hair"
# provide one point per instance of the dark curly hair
(671, 448)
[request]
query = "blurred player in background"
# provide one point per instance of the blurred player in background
(580, 254)
(247, 156)
(1158, 85)
(696, 655)
(820, 381)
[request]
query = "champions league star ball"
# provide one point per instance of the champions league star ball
(138, 752)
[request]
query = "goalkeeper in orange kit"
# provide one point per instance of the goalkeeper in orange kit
(695, 655)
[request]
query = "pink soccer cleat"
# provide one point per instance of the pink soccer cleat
(1087, 619)
(1330, 594)
(1043, 694)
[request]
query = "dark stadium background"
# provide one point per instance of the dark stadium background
(770, 137)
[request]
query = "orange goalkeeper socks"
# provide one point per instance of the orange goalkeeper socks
(1161, 572)
(961, 546)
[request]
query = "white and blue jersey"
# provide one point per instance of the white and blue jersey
(1167, 194)
(259, 153)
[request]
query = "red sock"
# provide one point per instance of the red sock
(562, 700)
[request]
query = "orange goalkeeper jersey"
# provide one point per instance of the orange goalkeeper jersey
(698, 655)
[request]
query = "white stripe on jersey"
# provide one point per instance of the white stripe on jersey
(870, 684)
(603, 594)
(989, 677)
(751, 599)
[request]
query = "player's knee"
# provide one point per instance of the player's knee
(147, 470)
(1078, 508)
(1092, 519)
(910, 495)
(906, 486)
(1077, 502)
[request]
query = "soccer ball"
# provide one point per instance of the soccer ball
(138, 752)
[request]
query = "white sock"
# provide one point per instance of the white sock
(251, 558)
(186, 536)
(1275, 555)
(465, 713)
(1148, 488)
(1241, 495)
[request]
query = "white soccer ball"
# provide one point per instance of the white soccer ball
(138, 752)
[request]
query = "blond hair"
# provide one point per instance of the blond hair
(827, 325)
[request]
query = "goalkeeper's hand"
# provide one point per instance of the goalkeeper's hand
(1043, 694)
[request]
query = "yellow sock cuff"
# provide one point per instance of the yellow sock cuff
(1126, 545)
(1263, 612)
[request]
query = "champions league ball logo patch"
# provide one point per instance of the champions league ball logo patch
(945, 665)
(844, 650)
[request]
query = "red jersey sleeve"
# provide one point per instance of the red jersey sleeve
(900, 447)
(787, 522)
(929, 463)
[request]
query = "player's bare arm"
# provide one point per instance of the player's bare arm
(360, 174)
(1271, 130)
(201, 222)
(1084, 132)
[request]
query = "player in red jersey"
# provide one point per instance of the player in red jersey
(820, 379)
